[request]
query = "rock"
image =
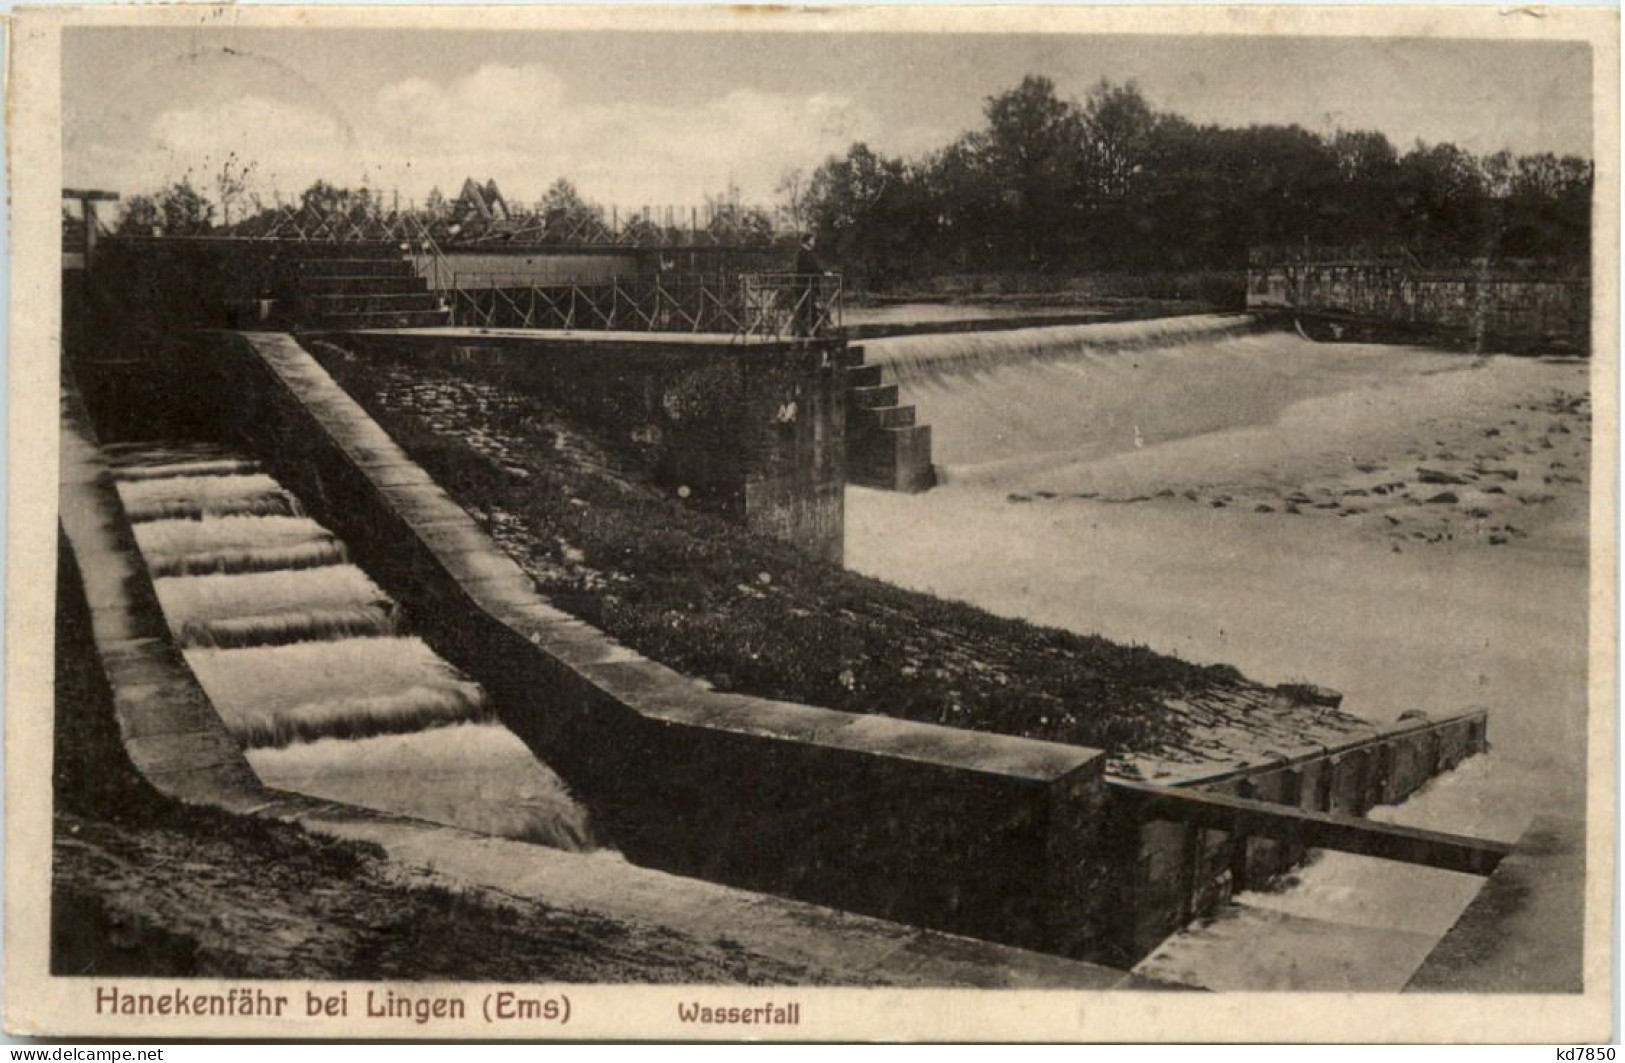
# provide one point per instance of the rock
(1309, 694)
(1262, 508)
(1436, 476)
(1498, 540)
(1356, 492)
(1445, 496)
(1018, 498)
(1496, 471)
(1298, 498)
(1366, 466)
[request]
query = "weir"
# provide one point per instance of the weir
(338, 691)
(634, 776)
(308, 662)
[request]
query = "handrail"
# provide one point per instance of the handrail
(773, 306)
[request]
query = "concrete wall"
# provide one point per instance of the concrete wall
(995, 837)
(153, 285)
(754, 432)
(479, 269)
(1182, 871)
(1497, 307)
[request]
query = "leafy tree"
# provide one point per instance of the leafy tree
(1120, 125)
(179, 210)
(869, 212)
(141, 217)
(562, 200)
(1033, 151)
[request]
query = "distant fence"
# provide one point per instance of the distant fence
(1517, 302)
(685, 228)
(750, 305)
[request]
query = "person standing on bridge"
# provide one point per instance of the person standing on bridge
(805, 288)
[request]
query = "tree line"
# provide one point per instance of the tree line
(1051, 185)
(563, 215)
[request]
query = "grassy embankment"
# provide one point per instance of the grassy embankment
(146, 886)
(747, 614)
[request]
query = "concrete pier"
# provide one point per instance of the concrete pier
(750, 428)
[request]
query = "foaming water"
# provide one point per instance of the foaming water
(300, 653)
(1023, 403)
(197, 497)
(260, 608)
(183, 468)
(913, 358)
(478, 776)
(1348, 922)
(227, 545)
(1036, 448)
(277, 695)
(128, 459)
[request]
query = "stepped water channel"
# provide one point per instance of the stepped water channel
(313, 668)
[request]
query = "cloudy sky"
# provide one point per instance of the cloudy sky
(652, 118)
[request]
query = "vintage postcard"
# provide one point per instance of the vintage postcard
(812, 524)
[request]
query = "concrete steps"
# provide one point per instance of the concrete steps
(353, 285)
(379, 302)
(867, 397)
(863, 376)
(882, 416)
(885, 446)
(383, 291)
(356, 267)
(387, 319)
(892, 459)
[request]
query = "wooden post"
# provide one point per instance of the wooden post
(88, 198)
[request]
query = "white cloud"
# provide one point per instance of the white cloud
(519, 125)
(288, 145)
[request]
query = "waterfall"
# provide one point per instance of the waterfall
(309, 662)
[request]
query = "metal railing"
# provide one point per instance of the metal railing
(374, 223)
(790, 305)
(751, 306)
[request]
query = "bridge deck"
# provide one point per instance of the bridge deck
(1319, 830)
(582, 336)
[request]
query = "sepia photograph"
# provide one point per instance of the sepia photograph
(871, 523)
